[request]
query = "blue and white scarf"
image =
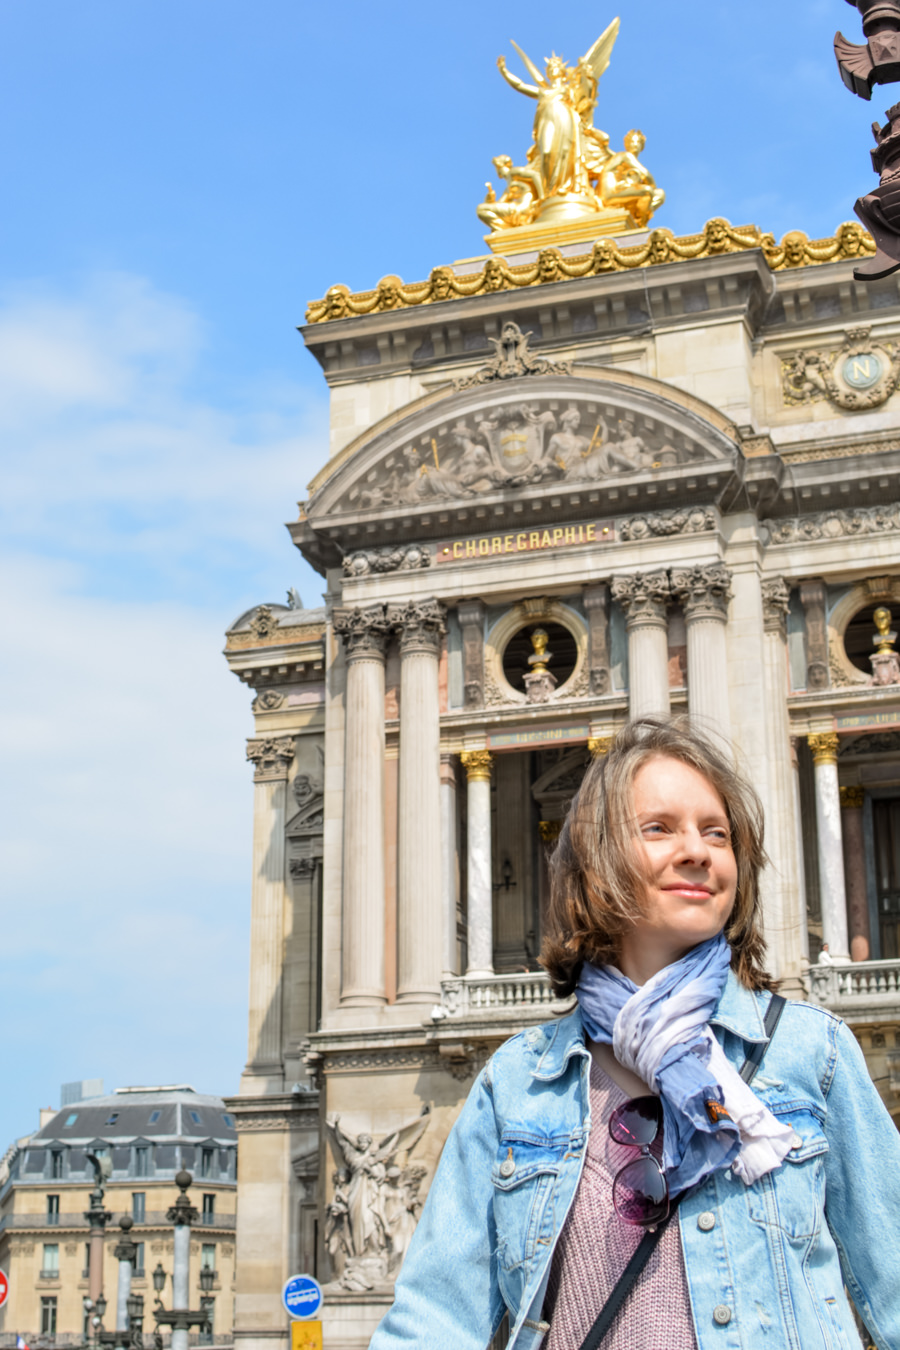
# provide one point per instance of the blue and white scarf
(660, 1031)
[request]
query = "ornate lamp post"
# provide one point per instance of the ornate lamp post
(181, 1317)
(877, 61)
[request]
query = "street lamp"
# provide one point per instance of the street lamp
(159, 1278)
(207, 1279)
(180, 1317)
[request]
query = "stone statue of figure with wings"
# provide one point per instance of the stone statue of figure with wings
(570, 167)
(367, 1162)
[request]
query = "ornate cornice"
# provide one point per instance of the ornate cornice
(776, 596)
(836, 524)
(704, 590)
(644, 596)
(421, 625)
(364, 632)
(718, 237)
(275, 637)
(271, 757)
(477, 764)
(655, 524)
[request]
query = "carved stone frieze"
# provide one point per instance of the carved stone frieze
(861, 373)
(518, 443)
(271, 757)
(644, 596)
(512, 359)
(268, 701)
(388, 559)
(420, 623)
(303, 869)
(704, 590)
(871, 743)
(364, 632)
(776, 596)
(694, 520)
(835, 524)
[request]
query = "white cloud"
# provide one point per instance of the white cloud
(138, 518)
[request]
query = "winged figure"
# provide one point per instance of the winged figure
(566, 97)
(367, 1164)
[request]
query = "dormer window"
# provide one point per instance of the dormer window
(112, 1118)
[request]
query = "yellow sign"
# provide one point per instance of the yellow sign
(306, 1335)
(525, 541)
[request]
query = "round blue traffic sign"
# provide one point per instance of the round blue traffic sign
(302, 1296)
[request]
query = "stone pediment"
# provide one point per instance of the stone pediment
(599, 436)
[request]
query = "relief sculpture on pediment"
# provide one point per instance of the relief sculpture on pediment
(517, 444)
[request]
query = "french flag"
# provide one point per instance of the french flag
(21, 1343)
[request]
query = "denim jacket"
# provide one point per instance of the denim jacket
(766, 1264)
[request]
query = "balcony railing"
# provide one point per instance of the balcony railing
(860, 987)
(153, 1218)
(473, 995)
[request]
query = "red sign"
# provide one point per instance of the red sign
(4, 1288)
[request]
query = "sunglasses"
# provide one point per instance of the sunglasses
(640, 1189)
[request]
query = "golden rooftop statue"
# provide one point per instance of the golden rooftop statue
(573, 186)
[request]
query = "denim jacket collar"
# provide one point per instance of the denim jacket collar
(738, 1010)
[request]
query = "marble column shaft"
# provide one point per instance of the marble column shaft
(449, 865)
(833, 896)
(852, 799)
(645, 597)
(704, 592)
(271, 758)
(420, 929)
(479, 874)
(123, 1289)
(364, 633)
(180, 1281)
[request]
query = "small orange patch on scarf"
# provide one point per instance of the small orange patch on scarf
(716, 1112)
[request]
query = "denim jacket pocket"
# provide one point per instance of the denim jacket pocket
(524, 1177)
(791, 1197)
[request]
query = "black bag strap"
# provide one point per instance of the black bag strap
(647, 1245)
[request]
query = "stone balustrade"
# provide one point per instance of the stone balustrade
(519, 994)
(858, 990)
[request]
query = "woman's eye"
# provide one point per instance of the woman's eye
(718, 835)
(652, 827)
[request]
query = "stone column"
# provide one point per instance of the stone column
(449, 865)
(182, 1214)
(477, 764)
(812, 597)
(798, 847)
(645, 597)
(364, 633)
(704, 592)
(471, 622)
(783, 893)
(824, 747)
(124, 1251)
(852, 800)
(596, 604)
(421, 625)
(97, 1218)
(271, 758)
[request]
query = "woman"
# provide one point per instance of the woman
(786, 1192)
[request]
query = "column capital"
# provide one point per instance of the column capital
(776, 597)
(852, 798)
(271, 757)
(599, 746)
(824, 746)
(364, 632)
(421, 625)
(704, 590)
(477, 764)
(644, 596)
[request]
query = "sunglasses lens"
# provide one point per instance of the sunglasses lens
(636, 1122)
(640, 1193)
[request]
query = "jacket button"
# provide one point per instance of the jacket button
(706, 1221)
(507, 1167)
(722, 1314)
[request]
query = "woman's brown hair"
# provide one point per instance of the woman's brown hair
(597, 884)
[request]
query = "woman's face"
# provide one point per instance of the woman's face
(682, 832)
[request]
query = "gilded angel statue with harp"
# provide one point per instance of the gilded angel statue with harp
(570, 167)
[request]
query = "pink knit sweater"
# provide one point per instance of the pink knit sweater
(595, 1247)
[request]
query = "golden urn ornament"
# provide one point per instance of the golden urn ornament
(572, 186)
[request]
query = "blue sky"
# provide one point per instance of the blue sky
(178, 181)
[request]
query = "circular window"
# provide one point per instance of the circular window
(561, 654)
(858, 636)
